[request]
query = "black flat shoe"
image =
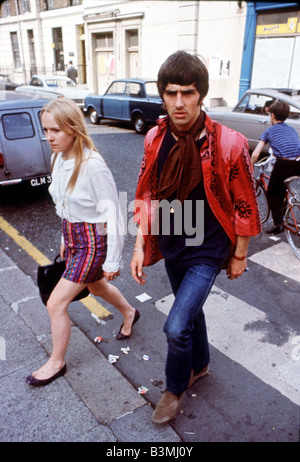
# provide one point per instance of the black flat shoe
(120, 335)
(41, 383)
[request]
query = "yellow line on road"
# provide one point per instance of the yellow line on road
(89, 302)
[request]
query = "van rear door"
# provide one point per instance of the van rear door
(25, 157)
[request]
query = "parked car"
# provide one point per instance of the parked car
(57, 84)
(38, 92)
(249, 117)
(6, 83)
(133, 100)
(24, 151)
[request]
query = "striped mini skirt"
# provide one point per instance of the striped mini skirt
(85, 252)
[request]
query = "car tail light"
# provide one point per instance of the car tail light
(1, 160)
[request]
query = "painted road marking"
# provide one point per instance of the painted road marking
(279, 258)
(243, 333)
(89, 302)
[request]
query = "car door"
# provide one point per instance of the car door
(22, 145)
(113, 101)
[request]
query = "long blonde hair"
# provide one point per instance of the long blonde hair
(71, 121)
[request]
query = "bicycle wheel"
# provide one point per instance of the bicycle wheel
(262, 201)
(292, 227)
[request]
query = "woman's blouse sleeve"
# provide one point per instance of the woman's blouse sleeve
(104, 193)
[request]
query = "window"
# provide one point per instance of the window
(36, 82)
(15, 49)
(132, 38)
(134, 90)
(151, 89)
(105, 40)
(60, 83)
(48, 5)
(253, 104)
(17, 126)
(5, 9)
(58, 49)
(24, 6)
(294, 112)
(117, 88)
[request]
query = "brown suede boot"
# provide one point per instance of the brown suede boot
(166, 407)
(197, 376)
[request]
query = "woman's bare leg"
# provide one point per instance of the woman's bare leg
(57, 307)
(112, 295)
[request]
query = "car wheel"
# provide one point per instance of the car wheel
(139, 124)
(94, 118)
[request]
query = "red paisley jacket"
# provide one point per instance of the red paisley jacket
(228, 183)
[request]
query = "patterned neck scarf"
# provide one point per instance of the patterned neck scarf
(182, 170)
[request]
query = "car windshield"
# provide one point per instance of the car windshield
(60, 83)
(117, 88)
(253, 103)
(151, 89)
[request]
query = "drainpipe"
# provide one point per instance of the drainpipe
(248, 49)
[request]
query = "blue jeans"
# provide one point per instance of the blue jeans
(185, 327)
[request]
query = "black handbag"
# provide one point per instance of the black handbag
(49, 275)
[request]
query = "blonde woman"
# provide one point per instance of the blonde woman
(86, 199)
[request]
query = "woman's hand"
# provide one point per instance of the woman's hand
(110, 276)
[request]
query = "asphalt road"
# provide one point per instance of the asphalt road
(253, 391)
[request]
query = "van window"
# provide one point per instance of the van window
(17, 126)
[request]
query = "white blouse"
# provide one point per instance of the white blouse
(94, 199)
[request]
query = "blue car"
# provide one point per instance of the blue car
(132, 100)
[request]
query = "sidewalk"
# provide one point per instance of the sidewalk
(93, 402)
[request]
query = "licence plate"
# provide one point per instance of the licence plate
(42, 180)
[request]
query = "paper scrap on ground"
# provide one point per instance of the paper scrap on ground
(143, 297)
(125, 350)
(113, 358)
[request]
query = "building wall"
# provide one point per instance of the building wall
(212, 30)
(220, 42)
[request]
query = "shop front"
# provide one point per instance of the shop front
(271, 55)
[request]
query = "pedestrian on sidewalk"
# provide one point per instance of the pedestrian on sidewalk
(284, 142)
(72, 72)
(190, 160)
(86, 199)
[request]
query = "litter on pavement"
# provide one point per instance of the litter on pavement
(125, 350)
(113, 358)
(143, 297)
(142, 390)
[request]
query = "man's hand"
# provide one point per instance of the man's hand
(136, 266)
(235, 268)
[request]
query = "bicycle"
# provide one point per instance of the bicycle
(291, 220)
